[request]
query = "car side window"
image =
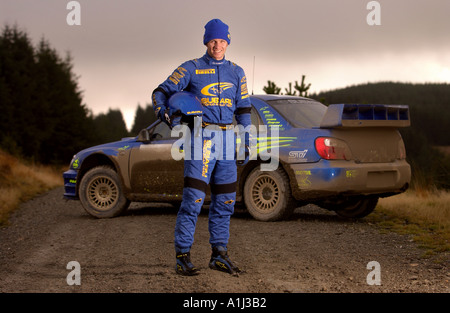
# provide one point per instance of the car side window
(254, 118)
(160, 132)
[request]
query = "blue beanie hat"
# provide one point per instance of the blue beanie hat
(216, 29)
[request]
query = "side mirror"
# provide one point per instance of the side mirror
(143, 136)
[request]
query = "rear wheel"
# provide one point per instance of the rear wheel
(356, 208)
(267, 195)
(101, 193)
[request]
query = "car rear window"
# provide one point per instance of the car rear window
(300, 112)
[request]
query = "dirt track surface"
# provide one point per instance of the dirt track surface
(314, 251)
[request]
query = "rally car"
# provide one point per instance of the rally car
(343, 157)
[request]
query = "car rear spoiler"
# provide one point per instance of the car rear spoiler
(366, 115)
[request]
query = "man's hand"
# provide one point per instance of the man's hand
(171, 122)
(163, 115)
(167, 118)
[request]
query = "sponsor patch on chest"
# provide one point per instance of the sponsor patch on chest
(205, 71)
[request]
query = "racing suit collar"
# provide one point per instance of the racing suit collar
(212, 61)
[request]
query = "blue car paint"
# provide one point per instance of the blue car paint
(307, 171)
(110, 150)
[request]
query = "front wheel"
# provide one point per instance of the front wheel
(267, 195)
(101, 193)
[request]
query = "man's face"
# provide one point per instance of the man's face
(217, 48)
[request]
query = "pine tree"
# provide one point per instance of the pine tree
(289, 91)
(143, 118)
(302, 89)
(17, 73)
(110, 126)
(271, 88)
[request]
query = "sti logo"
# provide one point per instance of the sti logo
(299, 155)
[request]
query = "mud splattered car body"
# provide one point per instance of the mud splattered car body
(342, 157)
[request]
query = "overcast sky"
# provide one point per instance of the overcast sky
(124, 48)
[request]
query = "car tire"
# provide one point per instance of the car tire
(101, 193)
(357, 207)
(267, 195)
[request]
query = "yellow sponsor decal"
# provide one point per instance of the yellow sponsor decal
(206, 155)
(206, 71)
(303, 178)
(215, 89)
(177, 75)
(194, 112)
(215, 102)
(302, 172)
(351, 173)
(266, 143)
(244, 90)
(222, 265)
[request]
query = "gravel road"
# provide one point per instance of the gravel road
(314, 251)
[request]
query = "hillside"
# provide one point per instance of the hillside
(21, 180)
(430, 112)
(429, 104)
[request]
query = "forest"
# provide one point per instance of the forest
(43, 117)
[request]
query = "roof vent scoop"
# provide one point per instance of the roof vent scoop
(366, 115)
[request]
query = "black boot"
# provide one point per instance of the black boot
(184, 265)
(221, 261)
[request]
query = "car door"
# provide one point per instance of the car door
(154, 174)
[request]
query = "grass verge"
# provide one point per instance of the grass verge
(424, 215)
(20, 182)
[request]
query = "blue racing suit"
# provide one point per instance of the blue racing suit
(221, 87)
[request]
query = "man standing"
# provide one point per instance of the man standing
(221, 87)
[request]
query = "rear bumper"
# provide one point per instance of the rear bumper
(326, 178)
(70, 184)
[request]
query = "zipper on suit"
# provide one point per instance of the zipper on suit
(219, 91)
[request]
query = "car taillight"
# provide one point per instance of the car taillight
(332, 149)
